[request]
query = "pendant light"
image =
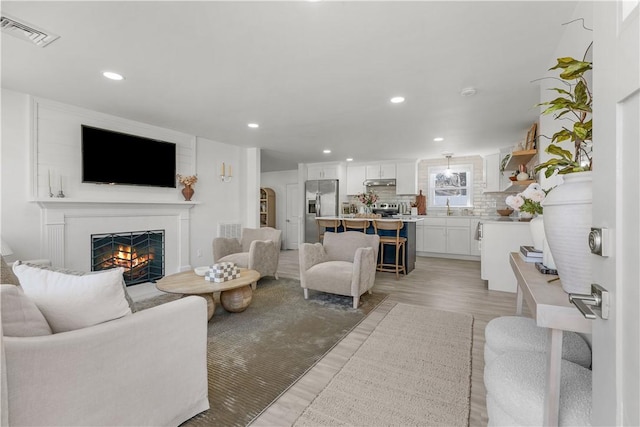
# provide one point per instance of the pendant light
(448, 172)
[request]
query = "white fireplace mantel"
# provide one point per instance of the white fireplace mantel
(68, 223)
(56, 203)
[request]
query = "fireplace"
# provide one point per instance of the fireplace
(140, 253)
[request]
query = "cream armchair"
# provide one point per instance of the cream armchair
(344, 264)
(258, 249)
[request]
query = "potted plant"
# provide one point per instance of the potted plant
(567, 209)
(573, 105)
(367, 199)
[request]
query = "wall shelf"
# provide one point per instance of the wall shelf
(267, 207)
(519, 158)
(518, 185)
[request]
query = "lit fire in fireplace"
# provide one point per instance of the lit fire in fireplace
(126, 257)
(139, 253)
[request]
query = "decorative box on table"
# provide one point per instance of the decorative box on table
(221, 272)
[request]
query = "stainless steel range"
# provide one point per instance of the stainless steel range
(385, 209)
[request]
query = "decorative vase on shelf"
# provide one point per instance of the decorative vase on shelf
(187, 192)
(567, 223)
(537, 231)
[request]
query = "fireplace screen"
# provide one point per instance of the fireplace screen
(140, 253)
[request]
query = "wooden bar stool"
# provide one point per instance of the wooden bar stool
(323, 224)
(392, 240)
(356, 224)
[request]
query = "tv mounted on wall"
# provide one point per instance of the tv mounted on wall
(110, 157)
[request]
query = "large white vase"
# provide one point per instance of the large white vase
(567, 223)
(537, 231)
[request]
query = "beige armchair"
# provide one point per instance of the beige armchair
(344, 264)
(258, 249)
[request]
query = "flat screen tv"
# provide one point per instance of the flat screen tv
(110, 157)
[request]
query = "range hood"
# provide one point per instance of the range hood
(380, 182)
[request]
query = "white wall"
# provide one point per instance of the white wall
(20, 216)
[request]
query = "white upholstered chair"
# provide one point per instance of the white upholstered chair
(343, 264)
(257, 249)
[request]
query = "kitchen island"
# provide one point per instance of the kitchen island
(408, 230)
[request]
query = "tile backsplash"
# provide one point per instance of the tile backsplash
(483, 203)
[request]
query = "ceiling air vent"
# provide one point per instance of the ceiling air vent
(25, 31)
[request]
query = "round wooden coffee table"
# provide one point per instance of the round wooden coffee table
(235, 295)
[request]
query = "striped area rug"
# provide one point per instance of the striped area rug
(255, 355)
(413, 369)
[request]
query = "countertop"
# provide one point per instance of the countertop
(404, 218)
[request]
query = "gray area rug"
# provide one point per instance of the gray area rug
(414, 369)
(255, 355)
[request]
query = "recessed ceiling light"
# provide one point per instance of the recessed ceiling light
(468, 91)
(326, 151)
(349, 159)
(397, 99)
(113, 76)
(253, 125)
(438, 139)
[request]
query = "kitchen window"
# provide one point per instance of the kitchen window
(455, 185)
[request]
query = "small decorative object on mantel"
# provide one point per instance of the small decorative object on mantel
(187, 181)
(60, 193)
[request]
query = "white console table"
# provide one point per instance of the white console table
(549, 304)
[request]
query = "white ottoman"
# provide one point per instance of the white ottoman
(515, 384)
(517, 333)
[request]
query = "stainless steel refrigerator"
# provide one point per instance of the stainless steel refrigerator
(321, 200)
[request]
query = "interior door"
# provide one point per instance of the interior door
(293, 216)
(616, 84)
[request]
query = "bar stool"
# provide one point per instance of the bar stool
(397, 241)
(323, 224)
(358, 224)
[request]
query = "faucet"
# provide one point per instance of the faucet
(448, 208)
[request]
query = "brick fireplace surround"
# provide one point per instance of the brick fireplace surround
(67, 226)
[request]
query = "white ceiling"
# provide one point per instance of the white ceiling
(314, 75)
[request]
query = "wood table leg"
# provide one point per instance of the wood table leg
(236, 300)
(552, 389)
(518, 300)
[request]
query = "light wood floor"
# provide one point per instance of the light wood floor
(445, 284)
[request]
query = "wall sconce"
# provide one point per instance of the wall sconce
(224, 177)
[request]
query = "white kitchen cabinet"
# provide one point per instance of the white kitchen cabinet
(322, 172)
(435, 238)
(407, 178)
(491, 173)
(448, 236)
(381, 171)
(420, 236)
(458, 236)
(356, 174)
(435, 235)
(494, 179)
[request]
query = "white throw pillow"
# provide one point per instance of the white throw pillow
(71, 302)
(20, 316)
